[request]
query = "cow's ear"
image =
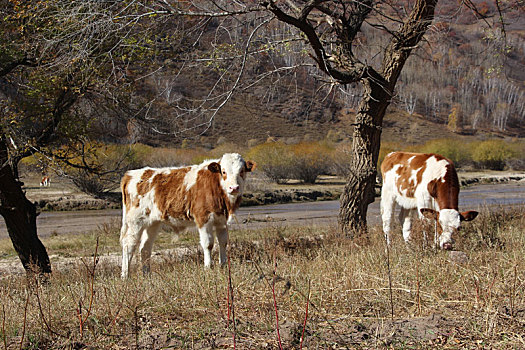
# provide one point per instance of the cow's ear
(214, 167)
(468, 215)
(250, 165)
(432, 188)
(429, 213)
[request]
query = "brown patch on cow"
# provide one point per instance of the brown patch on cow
(148, 211)
(144, 185)
(207, 197)
(447, 188)
(170, 194)
(124, 183)
(432, 188)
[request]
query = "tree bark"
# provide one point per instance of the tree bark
(359, 189)
(378, 90)
(20, 218)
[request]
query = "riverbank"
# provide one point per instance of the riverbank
(63, 197)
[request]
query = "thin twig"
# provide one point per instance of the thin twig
(275, 300)
(513, 290)
(91, 275)
(25, 321)
(390, 281)
(230, 291)
(417, 293)
(305, 315)
(136, 326)
(3, 326)
(42, 316)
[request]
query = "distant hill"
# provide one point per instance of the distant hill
(461, 74)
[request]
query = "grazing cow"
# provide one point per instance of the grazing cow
(428, 183)
(205, 195)
(46, 181)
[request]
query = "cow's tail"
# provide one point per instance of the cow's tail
(125, 199)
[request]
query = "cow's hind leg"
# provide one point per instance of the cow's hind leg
(206, 238)
(222, 237)
(405, 220)
(129, 238)
(146, 245)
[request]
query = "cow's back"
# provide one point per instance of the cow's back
(154, 190)
(420, 177)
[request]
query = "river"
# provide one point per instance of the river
(306, 213)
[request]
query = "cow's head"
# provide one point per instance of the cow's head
(449, 222)
(233, 170)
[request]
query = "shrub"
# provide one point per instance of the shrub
(518, 161)
(493, 154)
(453, 149)
(304, 161)
(225, 147)
(311, 160)
(275, 160)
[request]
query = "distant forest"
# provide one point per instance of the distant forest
(462, 75)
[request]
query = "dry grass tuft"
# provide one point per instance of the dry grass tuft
(437, 303)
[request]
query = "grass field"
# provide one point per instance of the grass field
(328, 292)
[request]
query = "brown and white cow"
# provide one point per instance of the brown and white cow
(428, 183)
(205, 195)
(46, 181)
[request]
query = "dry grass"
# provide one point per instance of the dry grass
(437, 303)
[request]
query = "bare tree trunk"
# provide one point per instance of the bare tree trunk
(378, 89)
(359, 189)
(20, 218)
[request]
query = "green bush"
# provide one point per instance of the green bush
(454, 149)
(274, 159)
(493, 154)
(304, 161)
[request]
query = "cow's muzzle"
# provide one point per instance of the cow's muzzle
(233, 189)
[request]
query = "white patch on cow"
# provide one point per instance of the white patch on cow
(450, 220)
(191, 176)
(436, 170)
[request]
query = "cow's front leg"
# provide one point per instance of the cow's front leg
(222, 237)
(129, 240)
(146, 245)
(206, 238)
(387, 213)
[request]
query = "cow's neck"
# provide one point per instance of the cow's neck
(232, 203)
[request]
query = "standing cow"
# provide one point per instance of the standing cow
(205, 195)
(46, 181)
(428, 183)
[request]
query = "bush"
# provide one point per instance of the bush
(304, 161)
(453, 149)
(310, 160)
(493, 154)
(275, 160)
